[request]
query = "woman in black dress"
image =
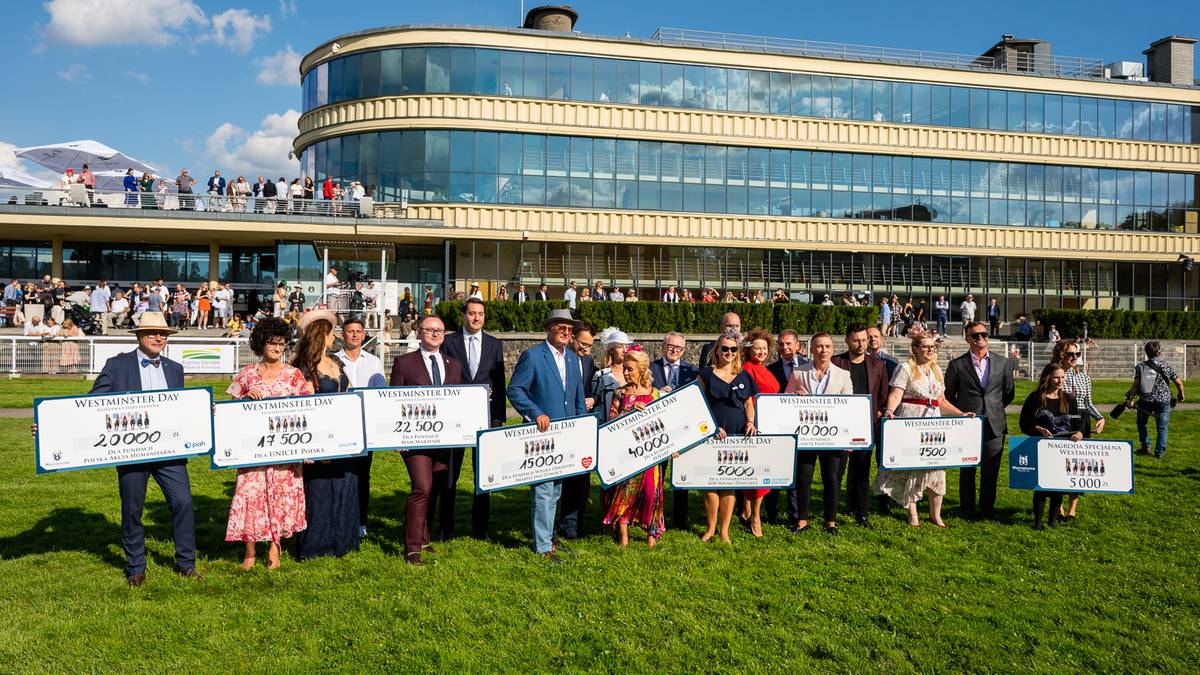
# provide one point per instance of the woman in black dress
(1050, 412)
(330, 486)
(730, 392)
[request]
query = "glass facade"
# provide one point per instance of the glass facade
(569, 171)
(497, 72)
(25, 260)
(87, 262)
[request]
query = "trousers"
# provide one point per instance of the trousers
(421, 465)
(832, 466)
(989, 470)
(172, 479)
(544, 502)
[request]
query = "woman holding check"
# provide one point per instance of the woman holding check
(730, 393)
(268, 502)
(756, 349)
(1067, 354)
(639, 499)
(917, 390)
(1050, 412)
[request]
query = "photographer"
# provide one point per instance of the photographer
(1151, 385)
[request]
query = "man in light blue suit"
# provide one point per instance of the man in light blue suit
(546, 385)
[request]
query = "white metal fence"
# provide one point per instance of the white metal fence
(78, 196)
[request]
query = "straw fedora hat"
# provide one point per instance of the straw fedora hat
(156, 322)
(559, 316)
(316, 315)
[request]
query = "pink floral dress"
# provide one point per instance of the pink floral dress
(268, 502)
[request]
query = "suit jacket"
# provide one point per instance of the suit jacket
(123, 373)
(803, 381)
(408, 370)
(541, 296)
(521, 296)
(776, 369)
(490, 370)
(535, 388)
(216, 185)
(658, 373)
(877, 379)
(587, 365)
(964, 390)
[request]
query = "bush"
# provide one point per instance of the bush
(507, 316)
(664, 317)
(1122, 324)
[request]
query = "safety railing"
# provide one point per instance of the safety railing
(211, 204)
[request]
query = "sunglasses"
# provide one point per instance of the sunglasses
(1071, 355)
(978, 336)
(727, 350)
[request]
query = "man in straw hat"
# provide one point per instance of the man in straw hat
(146, 369)
(547, 385)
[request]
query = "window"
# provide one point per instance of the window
(487, 71)
(1158, 121)
(627, 81)
(1035, 113)
(738, 89)
(960, 107)
(979, 109)
(672, 85)
(997, 109)
(1141, 121)
(781, 93)
(1106, 124)
(437, 70)
(760, 91)
(860, 106)
(512, 79)
(1071, 114)
(582, 85)
(902, 103)
(462, 70)
(1054, 115)
(390, 72)
(841, 97)
(715, 89)
(881, 101)
(1123, 124)
(802, 103)
(693, 87)
(1015, 110)
(414, 70)
(1089, 117)
(922, 102)
(822, 91)
(940, 108)
(558, 76)
(649, 83)
(369, 75)
(534, 75)
(604, 80)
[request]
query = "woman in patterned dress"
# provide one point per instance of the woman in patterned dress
(268, 502)
(639, 499)
(917, 390)
(1067, 354)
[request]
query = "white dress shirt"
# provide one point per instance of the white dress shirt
(473, 344)
(152, 377)
(560, 360)
(360, 370)
(429, 365)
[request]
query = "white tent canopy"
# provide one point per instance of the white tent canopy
(58, 157)
(10, 177)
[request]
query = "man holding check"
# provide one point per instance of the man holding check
(146, 369)
(546, 385)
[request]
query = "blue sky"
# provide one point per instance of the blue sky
(207, 83)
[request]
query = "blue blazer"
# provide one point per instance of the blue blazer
(535, 388)
(123, 373)
(658, 373)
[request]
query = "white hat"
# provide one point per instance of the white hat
(614, 336)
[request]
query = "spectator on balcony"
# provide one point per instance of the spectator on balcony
(184, 184)
(129, 182)
(34, 327)
(282, 193)
(502, 294)
(475, 293)
(119, 310)
(216, 185)
(826, 301)
(631, 295)
(146, 184)
(357, 192)
(729, 297)
(65, 180)
(89, 181)
(296, 192)
(671, 295)
(240, 191)
(270, 196)
(12, 299)
(327, 188)
(543, 294)
(598, 291)
(760, 298)
(615, 295)
(780, 297)
(687, 296)
(98, 302)
(310, 190)
(259, 197)
(520, 295)
(571, 294)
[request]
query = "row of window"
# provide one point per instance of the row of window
(535, 169)
(469, 70)
(186, 264)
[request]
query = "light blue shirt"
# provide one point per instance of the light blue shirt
(152, 378)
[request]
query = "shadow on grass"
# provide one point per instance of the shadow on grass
(68, 529)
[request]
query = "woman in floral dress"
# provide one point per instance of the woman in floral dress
(917, 390)
(639, 499)
(268, 502)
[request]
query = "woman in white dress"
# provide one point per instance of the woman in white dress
(917, 390)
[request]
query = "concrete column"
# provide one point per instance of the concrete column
(214, 261)
(56, 256)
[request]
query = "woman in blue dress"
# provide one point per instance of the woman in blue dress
(730, 393)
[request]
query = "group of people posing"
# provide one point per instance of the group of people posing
(325, 503)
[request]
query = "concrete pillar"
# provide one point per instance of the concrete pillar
(56, 256)
(214, 261)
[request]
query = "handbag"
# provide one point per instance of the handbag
(1158, 369)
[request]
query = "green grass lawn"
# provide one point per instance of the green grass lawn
(20, 392)
(1114, 591)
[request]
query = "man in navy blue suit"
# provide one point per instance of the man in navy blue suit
(668, 373)
(146, 369)
(546, 385)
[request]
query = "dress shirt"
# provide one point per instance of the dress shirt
(429, 364)
(560, 360)
(982, 365)
(569, 296)
(474, 344)
(360, 371)
(672, 372)
(99, 299)
(38, 329)
(152, 377)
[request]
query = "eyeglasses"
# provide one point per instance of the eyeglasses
(585, 345)
(928, 348)
(673, 348)
(978, 336)
(434, 331)
(277, 343)
(727, 350)
(564, 329)
(1071, 355)
(155, 334)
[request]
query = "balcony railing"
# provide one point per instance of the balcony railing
(209, 205)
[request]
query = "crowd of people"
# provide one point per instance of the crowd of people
(578, 370)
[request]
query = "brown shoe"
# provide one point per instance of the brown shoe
(552, 558)
(190, 573)
(414, 559)
(137, 580)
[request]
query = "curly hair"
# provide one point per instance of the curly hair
(266, 330)
(641, 366)
(757, 333)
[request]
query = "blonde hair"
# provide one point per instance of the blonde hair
(641, 368)
(737, 352)
(913, 369)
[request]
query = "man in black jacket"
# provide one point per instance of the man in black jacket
(981, 382)
(482, 359)
(667, 374)
(869, 376)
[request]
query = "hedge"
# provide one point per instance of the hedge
(663, 317)
(1122, 324)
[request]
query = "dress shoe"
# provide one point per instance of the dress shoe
(362, 531)
(414, 559)
(137, 580)
(426, 548)
(552, 558)
(1143, 450)
(800, 530)
(1038, 527)
(863, 521)
(831, 529)
(190, 574)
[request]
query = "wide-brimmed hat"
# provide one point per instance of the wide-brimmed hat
(559, 316)
(156, 322)
(317, 315)
(614, 336)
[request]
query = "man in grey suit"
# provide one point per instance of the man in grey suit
(981, 382)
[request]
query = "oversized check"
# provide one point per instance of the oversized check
(737, 462)
(285, 430)
(84, 432)
(641, 439)
(508, 457)
(1069, 466)
(419, 418)
(931, 442)
(819, 422)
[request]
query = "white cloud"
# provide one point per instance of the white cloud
(281, 68)
(263, 151)
(95, 23)
(237, 29)
(8, 160)
(76, 72)
(287, 8)
(144, 78)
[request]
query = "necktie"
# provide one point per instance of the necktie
(473, 356)
(437, 371)
(151, 362)
(674, 376)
